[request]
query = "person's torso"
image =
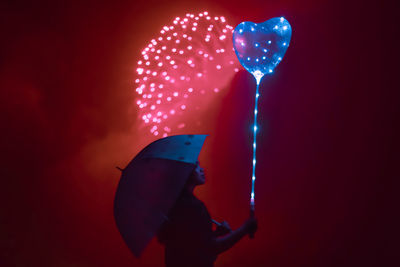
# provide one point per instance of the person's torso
(188, 235)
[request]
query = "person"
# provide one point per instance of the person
(188, 235)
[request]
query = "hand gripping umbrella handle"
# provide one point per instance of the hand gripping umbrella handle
(251, 235)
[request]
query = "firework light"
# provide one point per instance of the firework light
(181, 70)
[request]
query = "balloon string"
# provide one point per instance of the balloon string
(255, 128)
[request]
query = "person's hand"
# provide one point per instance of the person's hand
(223, 229)
(251, 226)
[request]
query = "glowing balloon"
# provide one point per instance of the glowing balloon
(260, 47)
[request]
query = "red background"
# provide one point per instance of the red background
(327, 145)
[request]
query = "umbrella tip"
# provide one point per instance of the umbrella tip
(119, 168)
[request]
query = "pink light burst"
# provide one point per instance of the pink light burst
(182, 70)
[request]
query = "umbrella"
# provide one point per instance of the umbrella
(150, 185)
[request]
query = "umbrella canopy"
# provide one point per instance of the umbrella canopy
(150, 185)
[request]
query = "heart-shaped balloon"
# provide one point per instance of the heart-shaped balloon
(261, 46)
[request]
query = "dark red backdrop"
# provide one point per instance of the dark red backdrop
(327, 148)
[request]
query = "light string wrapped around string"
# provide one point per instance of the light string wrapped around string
(260, 47)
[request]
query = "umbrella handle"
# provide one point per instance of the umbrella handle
(215, 222)
(119, 168)
(252, 215)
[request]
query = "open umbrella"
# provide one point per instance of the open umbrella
(150, 185)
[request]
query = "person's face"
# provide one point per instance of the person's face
(198, 175)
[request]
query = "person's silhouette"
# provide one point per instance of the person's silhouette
(188, 236)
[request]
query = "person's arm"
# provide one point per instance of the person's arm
(223, 228)
(226, 242)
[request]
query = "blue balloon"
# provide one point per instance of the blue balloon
(261, 46)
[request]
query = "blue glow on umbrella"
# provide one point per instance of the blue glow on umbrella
(260, 47)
